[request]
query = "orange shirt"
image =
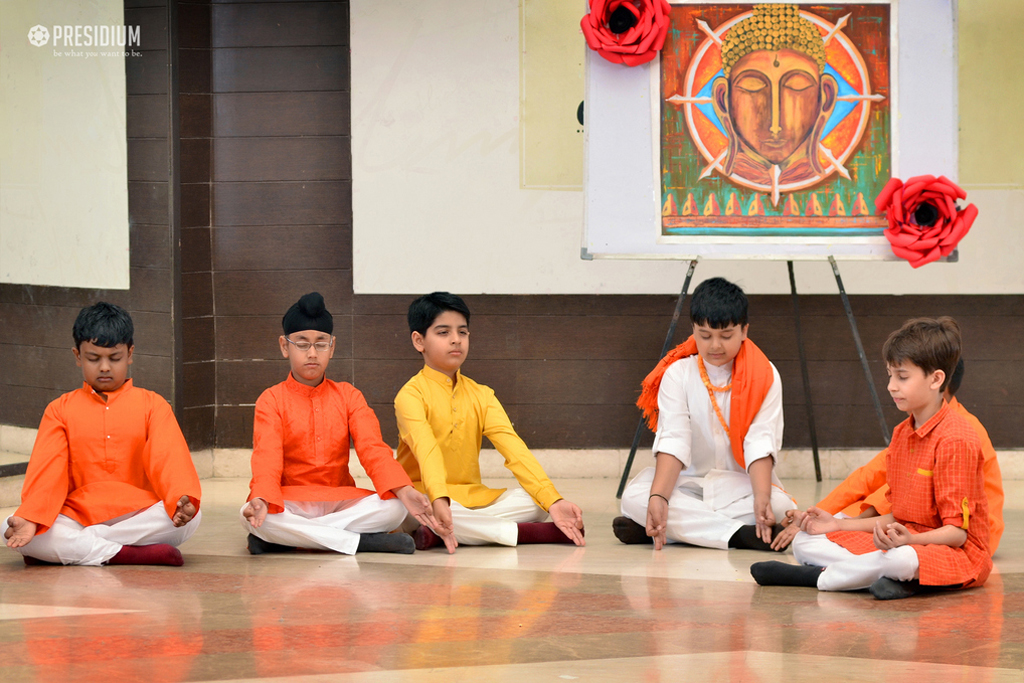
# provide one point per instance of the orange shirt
(300, 445)
(935, 479)
(95, 460)
(866, 487)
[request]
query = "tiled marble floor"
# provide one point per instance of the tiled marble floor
(606, 612)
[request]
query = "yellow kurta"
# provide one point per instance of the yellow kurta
(441, 428)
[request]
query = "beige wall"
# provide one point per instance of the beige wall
(63, 150)
(992, 95)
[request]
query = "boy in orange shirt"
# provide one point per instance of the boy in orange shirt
(302, 494)
(110, 479)
(937, 533)
(863, 493)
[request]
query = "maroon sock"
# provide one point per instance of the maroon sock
(158, 553)
(541, 532)
(425, 538)
(36, 562)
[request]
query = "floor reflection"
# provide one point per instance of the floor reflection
(604, 612)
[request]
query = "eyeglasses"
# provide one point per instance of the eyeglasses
(320, 346)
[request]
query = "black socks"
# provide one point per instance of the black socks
(257, 546)
(784, 574)
(368, 543)
(746, 539)
(629, 532)
(891, 589)
(382, 542)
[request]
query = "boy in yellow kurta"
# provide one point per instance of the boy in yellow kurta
(442, 418)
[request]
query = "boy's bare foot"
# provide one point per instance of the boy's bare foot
(383, 542)
(19, 531)
(746, 539)
(783, 574)
(890, 589)
(629, 532)
(158, 553)
(257, 546)
(425, 538)
(542, 532)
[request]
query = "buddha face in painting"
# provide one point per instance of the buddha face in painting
(775, 98)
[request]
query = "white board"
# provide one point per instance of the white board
(622, 205)
(63, 145)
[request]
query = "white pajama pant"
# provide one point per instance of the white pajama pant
(703, 511)
(68, 542)
(845, 571)
(333, 525)
(496, 523)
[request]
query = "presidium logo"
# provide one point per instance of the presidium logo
(38, 35)
(86, 36)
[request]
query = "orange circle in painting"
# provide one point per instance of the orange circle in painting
(840, 142)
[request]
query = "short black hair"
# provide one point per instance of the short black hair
(103, 324)
(718, 303)
(424, 310)
(956, 378)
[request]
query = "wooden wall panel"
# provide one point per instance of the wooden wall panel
(272, 292)
(289, 24)
(295, 247)
(282, 203)
(269, 159)
(280, 200)
(275, 113)
(196, 250)
(280, 69)
(147, 116)
(198, 324)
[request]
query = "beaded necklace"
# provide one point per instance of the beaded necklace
(711, 392)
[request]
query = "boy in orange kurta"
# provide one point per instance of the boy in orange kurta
(937, 534)
(864, 492)
(302, 494)
(110, 479)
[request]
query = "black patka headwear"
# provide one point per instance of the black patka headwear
(308, 313)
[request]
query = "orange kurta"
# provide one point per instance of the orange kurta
(300, 448)
(935, 479)
(94, 459)
(866, 487)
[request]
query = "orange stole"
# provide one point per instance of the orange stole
(751, 379)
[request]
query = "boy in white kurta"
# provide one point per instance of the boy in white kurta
(719, 429)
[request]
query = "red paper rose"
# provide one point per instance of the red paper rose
(924, 220)
(629, 32)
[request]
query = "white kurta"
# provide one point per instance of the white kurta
(713, 497)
